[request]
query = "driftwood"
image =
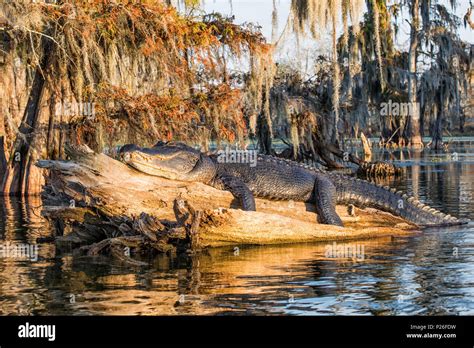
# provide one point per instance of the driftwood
(98, 203)
(366, 147)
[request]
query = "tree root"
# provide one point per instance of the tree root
(121, 237)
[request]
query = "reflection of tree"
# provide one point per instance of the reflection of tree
(415, 174)
(19, 224)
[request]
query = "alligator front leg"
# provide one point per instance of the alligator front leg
(238, 188)
(325, 201)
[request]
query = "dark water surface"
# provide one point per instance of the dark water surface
(431, 273)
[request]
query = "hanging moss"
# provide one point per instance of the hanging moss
(156, 66)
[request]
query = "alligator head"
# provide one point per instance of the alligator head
(171, 160)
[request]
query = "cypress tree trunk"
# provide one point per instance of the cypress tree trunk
(437, 131)
(264, 135)
(413, 124)
(336, 81)
(20, 174)
(3, 160)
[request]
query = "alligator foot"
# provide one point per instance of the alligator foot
(238, 188)
(325, 201)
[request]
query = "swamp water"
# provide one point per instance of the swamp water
(431, 273)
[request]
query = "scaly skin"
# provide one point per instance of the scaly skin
(278, 179)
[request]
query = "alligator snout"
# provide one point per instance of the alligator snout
(134, 156)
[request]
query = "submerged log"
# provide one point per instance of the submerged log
(378, 169)
(92, 198)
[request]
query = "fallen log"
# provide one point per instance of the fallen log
(93, 197)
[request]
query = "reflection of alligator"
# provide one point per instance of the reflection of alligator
(278, 179)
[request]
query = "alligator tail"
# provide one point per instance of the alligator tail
(365, 194)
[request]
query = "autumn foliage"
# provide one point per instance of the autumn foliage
(151, 71)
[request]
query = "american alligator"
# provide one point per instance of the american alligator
(278, 179)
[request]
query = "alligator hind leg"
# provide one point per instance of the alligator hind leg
(325, 201)
(238, 188)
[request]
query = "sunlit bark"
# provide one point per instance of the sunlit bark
(414, 116)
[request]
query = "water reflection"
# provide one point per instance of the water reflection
(428, 273)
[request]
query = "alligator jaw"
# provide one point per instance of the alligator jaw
(144, 163)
